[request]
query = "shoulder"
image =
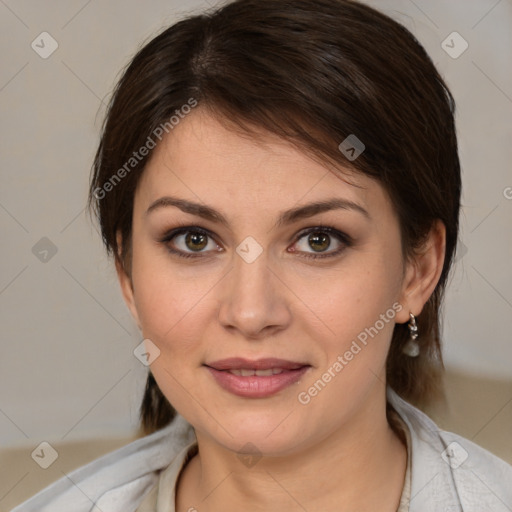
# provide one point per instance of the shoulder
(449, 471)
(118, 481)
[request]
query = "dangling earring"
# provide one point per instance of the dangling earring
(412, 347)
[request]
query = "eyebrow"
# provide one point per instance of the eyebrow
(286, 217)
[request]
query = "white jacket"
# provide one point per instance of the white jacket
(448, 472)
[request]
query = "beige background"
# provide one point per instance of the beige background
(67, 370)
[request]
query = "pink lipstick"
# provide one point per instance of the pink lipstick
(257, 378)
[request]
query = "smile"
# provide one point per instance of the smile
(256, 379)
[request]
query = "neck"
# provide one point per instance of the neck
(360, 466)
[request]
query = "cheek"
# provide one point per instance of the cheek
(170, 304)
(358, 307)
(352, 299)
(172, 316)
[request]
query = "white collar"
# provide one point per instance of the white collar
(118, 481)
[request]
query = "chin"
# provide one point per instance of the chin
(268, 435)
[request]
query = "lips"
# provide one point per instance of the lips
(256, 379)
(269, 363)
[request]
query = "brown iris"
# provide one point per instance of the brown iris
(198, 241)
(319, 241)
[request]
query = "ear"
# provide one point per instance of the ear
(126, 284)
(422, 273)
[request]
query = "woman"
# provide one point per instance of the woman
(279, 184)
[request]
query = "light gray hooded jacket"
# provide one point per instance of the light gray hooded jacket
(448, 472)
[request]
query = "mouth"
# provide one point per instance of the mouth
(264, 364)
(247, 372)
(256, 378)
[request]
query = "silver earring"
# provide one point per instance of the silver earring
(412, 347)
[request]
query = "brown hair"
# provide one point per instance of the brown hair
(312, 72)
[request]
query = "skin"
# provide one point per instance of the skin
(337, 453)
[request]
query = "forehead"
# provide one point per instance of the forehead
(201, 159)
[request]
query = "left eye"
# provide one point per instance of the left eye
(320, 239)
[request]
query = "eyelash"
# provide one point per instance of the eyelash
(345, 239)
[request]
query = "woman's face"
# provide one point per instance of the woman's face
(251, 288)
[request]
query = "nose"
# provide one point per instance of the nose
(254, 300)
